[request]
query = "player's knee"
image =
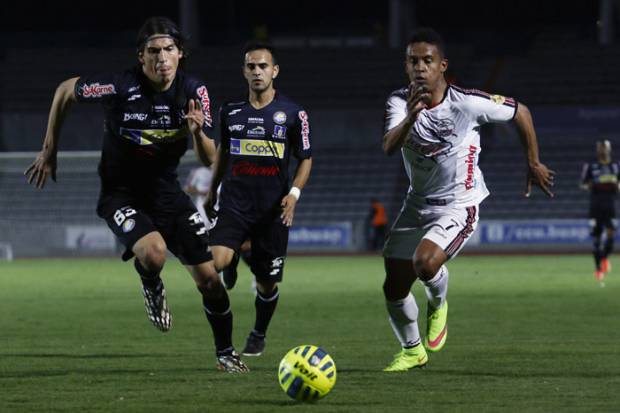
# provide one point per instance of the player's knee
(426, 265)
(153, 255)
(210, 287)
(266, 287)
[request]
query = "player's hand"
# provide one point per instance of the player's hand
(209, 205)
(419, 98)
(195, 117)
(43, 166)
(538, 174)
(288, 209)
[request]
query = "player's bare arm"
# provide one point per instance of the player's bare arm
(290, 200)
(204, 147)
(45, 163)
(221, 163)
(395, 137)
(538, 174)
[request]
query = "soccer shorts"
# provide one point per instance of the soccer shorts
(180, 225)
(449, 228)
(269, 238)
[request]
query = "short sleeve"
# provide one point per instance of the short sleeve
(97, 88)
(201, 93)
(395, 112)
(486, 108)
(300, 136)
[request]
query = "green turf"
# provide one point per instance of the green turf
(527, 334)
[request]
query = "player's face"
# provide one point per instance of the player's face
(160, 60)
(603, 152)
(259, 70)
(425, 65)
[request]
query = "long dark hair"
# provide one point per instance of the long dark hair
(161, 25)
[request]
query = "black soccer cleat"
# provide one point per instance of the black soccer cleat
(254, 346)
(229, 275)
(230, 362)
(157, 307)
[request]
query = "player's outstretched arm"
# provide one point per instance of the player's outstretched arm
(45, 163)
(417, 100)
(538, 174)
(290, 200)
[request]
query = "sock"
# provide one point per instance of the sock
(150, 279)
(437, 288)
(609, 246)
(596, 251)
(265, 307)
(404, 320)
(220, 317)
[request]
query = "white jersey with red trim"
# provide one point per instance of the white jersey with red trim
(441, 152)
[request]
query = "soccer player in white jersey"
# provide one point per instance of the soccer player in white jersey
(436, 126)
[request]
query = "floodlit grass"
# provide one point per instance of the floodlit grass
(527, 334)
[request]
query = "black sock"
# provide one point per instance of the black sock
(150, 279)
(265, 307)
(220, 317)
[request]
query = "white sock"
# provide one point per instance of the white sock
(437, 288)
(404, 320)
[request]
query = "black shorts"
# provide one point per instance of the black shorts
(269, 239)
(180, 225)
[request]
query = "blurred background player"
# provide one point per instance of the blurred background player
(377, 224)
(197, 186)
(602, 178)
(150, 111)
(436, 127)
(259, 134)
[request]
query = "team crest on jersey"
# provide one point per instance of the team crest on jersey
(431, 140)
(128, 225)
(499, 99)
(279, 132)
(279, 118)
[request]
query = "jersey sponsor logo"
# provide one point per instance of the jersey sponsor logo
(95, 90)
(203, 94)
(246, 168)
(236, 128)
(257, 131)
(305, 129)
(256, 147)
(144, 137)
(279, 117)
(279, 132)
(134, 116)
(499, 99)
(255, 120)
(471, 167)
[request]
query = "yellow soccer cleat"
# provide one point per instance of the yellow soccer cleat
(408, 358)
(436, 329)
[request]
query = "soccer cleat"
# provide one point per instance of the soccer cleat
(231, 363)
(605, 265)
(599, 275)
(408, 358)
(229, 275)
(157, 307)
(436, 328)
(254, 346)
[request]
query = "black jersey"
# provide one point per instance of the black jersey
(145, 133)
(260, 143)
(603, 179)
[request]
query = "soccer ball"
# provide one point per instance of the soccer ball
(307, 373)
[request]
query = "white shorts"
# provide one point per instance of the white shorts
(449, 228)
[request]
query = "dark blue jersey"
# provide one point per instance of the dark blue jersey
(603, 179)
(260, 143)
(145, 133)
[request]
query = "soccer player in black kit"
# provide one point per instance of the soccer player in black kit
(150, 112)
(259, 133)
(601, 178)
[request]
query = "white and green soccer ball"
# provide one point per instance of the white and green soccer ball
(307, 373)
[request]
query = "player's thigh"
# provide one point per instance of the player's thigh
(428, 259)
(269, 245)
(226, 237)
(399, 277)
(130, 225)
(187, 236)
(404, 236)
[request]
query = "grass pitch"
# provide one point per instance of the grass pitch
(526, 334)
